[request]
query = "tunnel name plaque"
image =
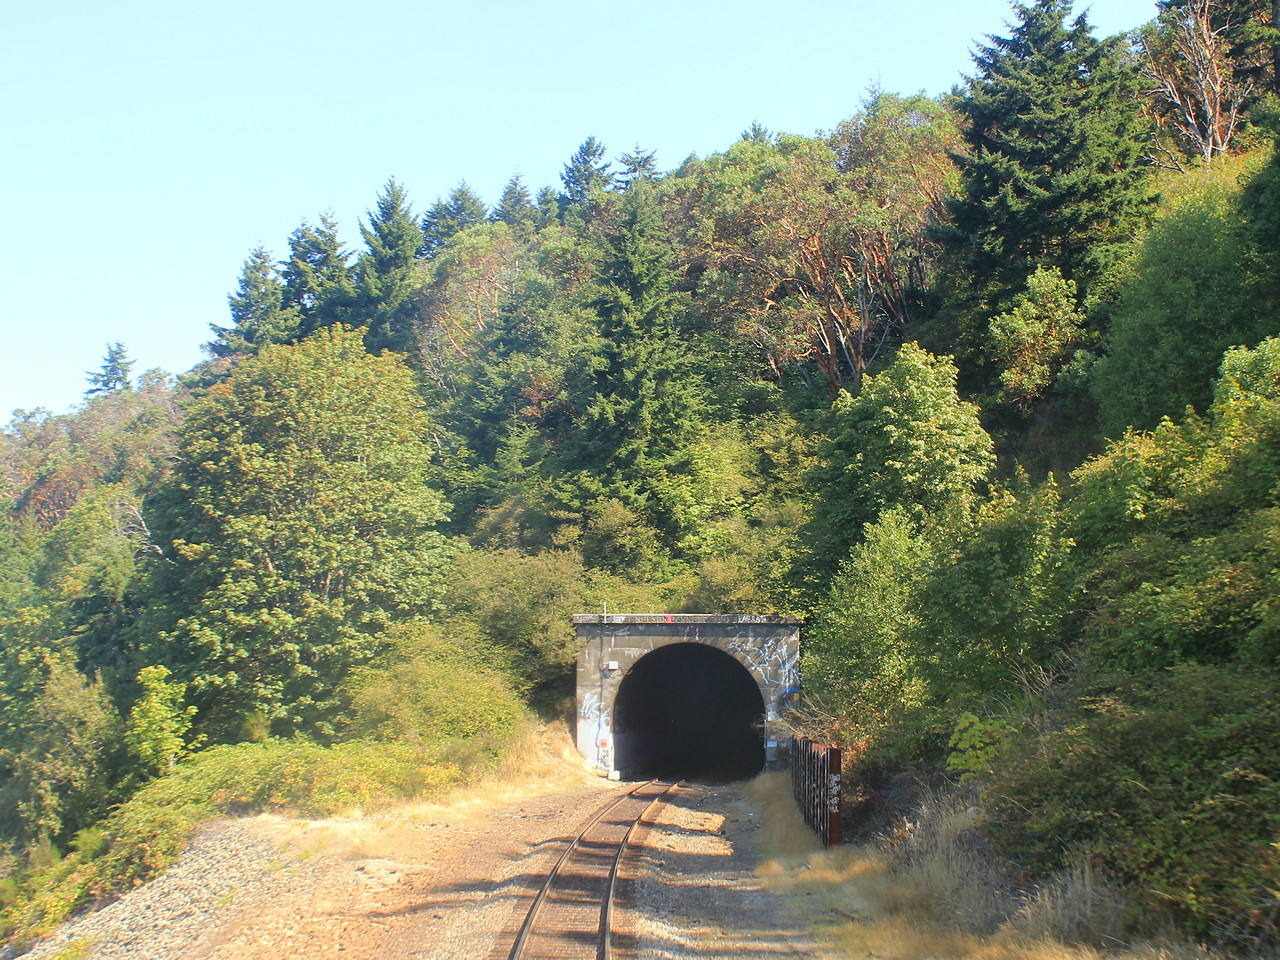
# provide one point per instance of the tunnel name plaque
(680, 694)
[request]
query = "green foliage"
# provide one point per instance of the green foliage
(993, 608)
(586, 173)
(1171, 782)
(906, 441)
(1260, 207)
(858, 660)
(156, 732)
(299, 524)
(1182, 526)
(60, 778)
(521, 605)
(435, 688)
(385, 278)
(127, 436)
(975, 743)
(1053, 175)
(1193, 288)
(147, 833)
(114, 373)
(92, 576)
(814, 253)
(1035, 339)
(471, 281)
(639, 405)
(259, 314)
(447, 218)
(317, 280)
(515, 207)
(1250, 31)
(929, 620)
(624, 389)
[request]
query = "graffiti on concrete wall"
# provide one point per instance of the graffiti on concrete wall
(768, 647)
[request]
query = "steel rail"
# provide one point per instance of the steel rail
(604, 942)
(606, 912)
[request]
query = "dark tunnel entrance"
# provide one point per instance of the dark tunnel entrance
(688, 711)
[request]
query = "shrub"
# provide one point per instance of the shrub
(1192, 292)
(148, 832)
(1182, 526)
(61, 777)
(156, 732)
(435, 690)
(1172, 784)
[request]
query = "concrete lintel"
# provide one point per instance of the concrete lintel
(681, 618)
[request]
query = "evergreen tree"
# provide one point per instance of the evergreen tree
(639, 403)
(258, 312)
(317, 279)
(392, 234)
(447, 218)
(515, 208)
(637, 165)
(547, 204)
(586, 172)
(1053, 174)
(384, 273)
(114, 373)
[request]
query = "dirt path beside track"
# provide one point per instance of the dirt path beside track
(441, 881)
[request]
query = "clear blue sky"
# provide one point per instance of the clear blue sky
(148, 146)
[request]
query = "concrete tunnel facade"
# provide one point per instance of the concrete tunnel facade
(684, 695)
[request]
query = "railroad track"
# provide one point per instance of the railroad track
(571, 916)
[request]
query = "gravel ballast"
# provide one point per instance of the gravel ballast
(437, 882)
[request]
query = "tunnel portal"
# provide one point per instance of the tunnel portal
(690, 695)
(688, 711)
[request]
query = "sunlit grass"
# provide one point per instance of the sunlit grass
(862, 905)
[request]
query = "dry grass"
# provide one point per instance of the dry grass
(926, 893)
(541, 759)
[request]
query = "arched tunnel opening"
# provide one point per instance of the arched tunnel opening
(688, 711)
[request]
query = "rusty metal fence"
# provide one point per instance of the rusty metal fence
(815, 780)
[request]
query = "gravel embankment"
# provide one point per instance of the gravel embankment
(440, 882)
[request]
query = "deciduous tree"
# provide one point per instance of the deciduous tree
(298, 525)
(1185, 62)
(905, 441)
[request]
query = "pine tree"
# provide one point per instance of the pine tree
(547, 205)
(392, 234)
(515, 208)
(586, 172)
(637, 165)
(317, 278)
(258, 312)
(1053, 176)
(640, 403)
(447, 218)
(384, 283)
(114, 373)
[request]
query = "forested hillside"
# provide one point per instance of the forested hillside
(986, 388)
